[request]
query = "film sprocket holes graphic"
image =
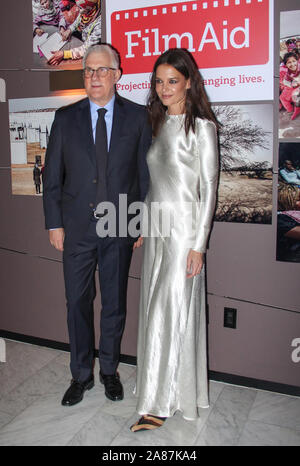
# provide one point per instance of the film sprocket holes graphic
(219, 33)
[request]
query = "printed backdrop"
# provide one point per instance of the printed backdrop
(231, 40)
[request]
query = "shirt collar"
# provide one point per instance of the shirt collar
(109, 106)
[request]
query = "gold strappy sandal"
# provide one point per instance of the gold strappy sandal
(147, 422)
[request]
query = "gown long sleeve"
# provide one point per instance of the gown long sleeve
(171, 354)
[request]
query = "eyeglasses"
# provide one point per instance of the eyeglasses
(102, 71)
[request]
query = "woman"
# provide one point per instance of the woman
(183, 165)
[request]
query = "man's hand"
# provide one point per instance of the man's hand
(194, 264)
(56, 58)
(56, 238)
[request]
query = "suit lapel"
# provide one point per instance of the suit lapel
(86, 132)
(85, 127)
(118, 121)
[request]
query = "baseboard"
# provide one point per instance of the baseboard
(127, 359)
(35, 340)
(249, 382)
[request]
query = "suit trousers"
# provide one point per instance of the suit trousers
(113, 257)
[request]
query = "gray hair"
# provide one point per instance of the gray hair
(103, 48)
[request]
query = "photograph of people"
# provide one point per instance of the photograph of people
(79, 24)
(288, 208)
(30, 122)
(288, 223)
(289, 75)
(290, 84)
(183, 165)
(289, 173)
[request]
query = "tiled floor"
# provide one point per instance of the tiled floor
(34, 379)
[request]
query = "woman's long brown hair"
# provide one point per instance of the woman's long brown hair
(196, 105)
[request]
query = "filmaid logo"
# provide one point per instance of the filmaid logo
(219, 33)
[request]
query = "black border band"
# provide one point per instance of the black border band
(127, 359)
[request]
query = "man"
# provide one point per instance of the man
(37, 178)
(91, 159)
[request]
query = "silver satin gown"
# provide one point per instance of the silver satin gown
(171, 355)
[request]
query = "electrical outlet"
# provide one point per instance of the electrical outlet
(230, 317)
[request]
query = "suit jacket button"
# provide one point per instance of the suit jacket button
(91, 204)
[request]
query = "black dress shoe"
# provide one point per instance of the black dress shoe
(75, 392)
(113, 387)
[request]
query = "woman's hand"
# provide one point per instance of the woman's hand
(138, 243)
(194, 263)
(56, 58)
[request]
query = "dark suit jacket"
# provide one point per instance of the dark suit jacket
(70, 176)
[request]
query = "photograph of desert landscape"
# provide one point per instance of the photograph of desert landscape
(246, 156)
(30, 122)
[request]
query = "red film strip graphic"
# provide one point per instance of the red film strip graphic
(221, 33)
